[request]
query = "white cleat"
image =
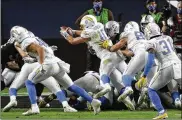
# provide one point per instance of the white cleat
(11, 104)
(31, 112)
(96, 106)
(106, 89)
(128, 103)
(69, 109)
(142, 97)
(128, 91)
(47, 105)
(177, 103)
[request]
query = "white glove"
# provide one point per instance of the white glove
(64, 33)
(29, 60)
(54, 47)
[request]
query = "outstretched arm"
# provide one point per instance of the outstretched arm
(118, 45)
(71, 39)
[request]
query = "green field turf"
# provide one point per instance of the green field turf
(113, 115)
(20, 92)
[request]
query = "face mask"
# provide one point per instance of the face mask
(97, 7)
(152, 8)
(179, 11)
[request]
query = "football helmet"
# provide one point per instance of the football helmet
(18, 33)
(112, 28)
(88, 22)
(145, 20)
(131, 26)
(151, 30)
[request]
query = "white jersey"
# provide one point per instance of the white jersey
(49, 54)
(97, 35)
(135, 40)
(165, 52)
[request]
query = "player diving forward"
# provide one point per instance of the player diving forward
(49, 65)
(93, 34)
(161, 48)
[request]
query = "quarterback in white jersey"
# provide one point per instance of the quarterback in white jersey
(94, 35)
(161, 48)
(49, 65)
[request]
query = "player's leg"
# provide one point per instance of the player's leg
(40, 73)
(107, 99)
(8, 77)
(135, 65)
(106, 67)
(66, 81)
(88, 82)
(17, 84)
(116, 80)
(177, 77)
(54, 87)
(162, 78)
(173, 89)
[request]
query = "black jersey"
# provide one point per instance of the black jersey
(9, 53)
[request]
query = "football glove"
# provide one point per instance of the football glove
(54, 47)
(141, 82)
(29, 60)
(64, 33)
(105, 44)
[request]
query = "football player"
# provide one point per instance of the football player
(161, 48)
(49, 65)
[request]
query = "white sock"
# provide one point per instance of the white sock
(35, 106)
(162, 111)
(12, 98)
(65, 103)
(80, 99)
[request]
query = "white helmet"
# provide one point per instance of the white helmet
(145, 20)
(18, 33)
(131, 26)
(88, 22)
(151, 30)
(112, 28)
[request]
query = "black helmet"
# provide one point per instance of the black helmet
(166, 10)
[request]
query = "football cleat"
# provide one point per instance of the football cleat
(11, 104)
(177, 103)
(96, 106)
(69, 109)
(128, 103)
(31, 112)
(128, 91)
(161, 116)
(106, 89)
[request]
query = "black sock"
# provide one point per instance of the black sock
(3, 86)
(39, 89)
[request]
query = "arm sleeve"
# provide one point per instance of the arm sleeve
(150, 62)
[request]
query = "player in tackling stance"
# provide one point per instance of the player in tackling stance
(49, 65)
(160, 47)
